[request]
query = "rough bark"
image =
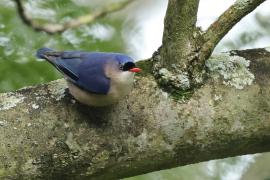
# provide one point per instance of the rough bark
(185, 48)
(45, 134)
(178, 37)
(174, 66)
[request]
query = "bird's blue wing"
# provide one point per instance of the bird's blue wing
(85, 70)
(92, 75)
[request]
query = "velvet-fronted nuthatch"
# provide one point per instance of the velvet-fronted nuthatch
(93, 78)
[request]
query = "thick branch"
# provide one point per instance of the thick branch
(45, 134)
(174, 62)
(225, 23)
(82, 20)
(179, 26)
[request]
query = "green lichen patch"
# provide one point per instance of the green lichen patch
(57, 89)
(10, 100)
(233, 70)
(181, 80)
(182, 95)
(177, 83)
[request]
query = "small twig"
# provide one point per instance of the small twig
(52, 28)
(225, 23)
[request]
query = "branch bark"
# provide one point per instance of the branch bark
(45, 134)
(180, 64)
(174, 60)
(179, 25)
(51, 28)
(225, 23)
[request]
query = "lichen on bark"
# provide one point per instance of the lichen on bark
(185, 48)
(232, 69)
(174, 61)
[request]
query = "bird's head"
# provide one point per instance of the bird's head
(121, 69)
(126, 64)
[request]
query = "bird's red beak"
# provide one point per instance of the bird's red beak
(135, 70)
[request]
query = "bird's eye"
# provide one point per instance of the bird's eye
(128, 65)
(121, 67)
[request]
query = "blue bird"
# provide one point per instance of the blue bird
(93, 78)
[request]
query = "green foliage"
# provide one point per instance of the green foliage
(18, 43)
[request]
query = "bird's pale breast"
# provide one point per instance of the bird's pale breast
(121, 85)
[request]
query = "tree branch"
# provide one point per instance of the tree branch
(45, 134)
(225, 23)
(179, 25)
(51, 28)
(174, 59)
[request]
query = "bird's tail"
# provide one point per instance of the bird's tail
(41, 53)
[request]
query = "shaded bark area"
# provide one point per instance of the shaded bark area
(45, 134)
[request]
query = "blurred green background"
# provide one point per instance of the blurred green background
(137, 31)
(18, 43)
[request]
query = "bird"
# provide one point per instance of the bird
(93, 78)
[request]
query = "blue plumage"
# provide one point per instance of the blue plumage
(40, 53)
(84, 69)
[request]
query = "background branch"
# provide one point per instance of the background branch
(51, 28)
(45, 134)
(225, 23)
